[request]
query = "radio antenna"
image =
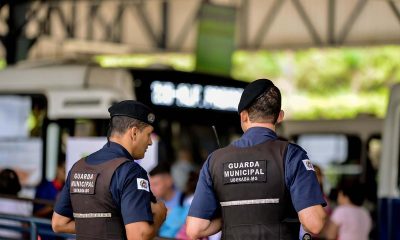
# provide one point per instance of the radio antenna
(216, 135)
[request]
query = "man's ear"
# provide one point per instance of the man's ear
(280, 116)
(244, 116)
(133, 132)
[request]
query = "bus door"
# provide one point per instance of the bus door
(389, 177)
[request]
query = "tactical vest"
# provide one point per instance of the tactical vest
(250, 185)
(95, 213)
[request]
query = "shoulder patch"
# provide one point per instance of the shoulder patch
(307, 163)
(143, 184)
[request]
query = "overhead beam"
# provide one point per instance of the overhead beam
(146, 24)
(164, 23)
(331, 22)
(306, 20)
(243, 21)
(351, 20)
(102, 25)
(184, 32)
(65, 23)
(394, 8)
(267, 22)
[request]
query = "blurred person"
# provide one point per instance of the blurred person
(107, 194)
(186, 202)
(49, 190)
(10, 186)
(349, 219)
(162, 185)
(327, 208)
(258, 187)
(320, 177)
(182, 167)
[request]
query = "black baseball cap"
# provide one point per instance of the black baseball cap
(133, 109)
(252, 91)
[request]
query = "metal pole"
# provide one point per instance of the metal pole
(33, 231)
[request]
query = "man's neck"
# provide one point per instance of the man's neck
(122, 142)
(264, 125)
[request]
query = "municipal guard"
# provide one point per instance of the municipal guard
(258, 187)
(107, 195)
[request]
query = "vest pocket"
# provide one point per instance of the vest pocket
(90, 229)
(252, 232)
(115, 228)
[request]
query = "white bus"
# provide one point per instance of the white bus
(42, 105)
(65, 101)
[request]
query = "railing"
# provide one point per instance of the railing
(22, 199)
(32, 225)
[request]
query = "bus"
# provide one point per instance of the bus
(47, 109)
(58, 110)
(41, 105)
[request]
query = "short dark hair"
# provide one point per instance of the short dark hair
(119, 124)
(161, 168)
(266, 107)
(353, 190)
(9, 182)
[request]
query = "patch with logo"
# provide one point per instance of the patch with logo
(245, 172)
(306, 236)
(143, 184)
(151, 117)
(83, 183)
(307, 163)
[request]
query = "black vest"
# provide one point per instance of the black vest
(250, 185)
(95, 213)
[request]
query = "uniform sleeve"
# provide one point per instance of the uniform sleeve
(63, 205)
(205, 204)
(130, 188)
(301, 179)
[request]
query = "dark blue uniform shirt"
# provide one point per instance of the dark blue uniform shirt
(133, 203)
(299, 178)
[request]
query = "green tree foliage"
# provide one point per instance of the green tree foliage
(325, 71)
(251, 65)
(2, 63)
(359, 70)
(329, 82)
(316, 83)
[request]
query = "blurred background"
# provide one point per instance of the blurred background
(337, 63)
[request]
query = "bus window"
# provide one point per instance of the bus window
(324, 149)
(58, 131)
(22, 119)
(338, 155)
(373, 158)
(374, 151)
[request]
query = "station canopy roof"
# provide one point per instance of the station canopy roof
(98, 27)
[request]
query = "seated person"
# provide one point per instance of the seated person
(10, 185)
(182, 167)
(162, 186)
(48, 190)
